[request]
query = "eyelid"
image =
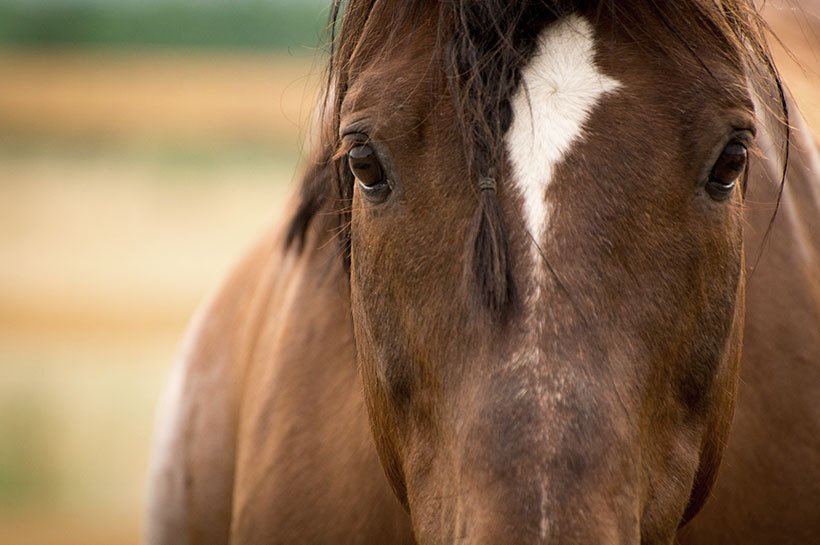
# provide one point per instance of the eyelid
(357, 126)
(356, 139)
(349, 141)
(745, 135)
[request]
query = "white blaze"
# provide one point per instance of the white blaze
(560, 85)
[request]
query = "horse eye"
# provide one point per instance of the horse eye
(727, 169)
(365, 166)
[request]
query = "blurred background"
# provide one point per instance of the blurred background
(143, 145)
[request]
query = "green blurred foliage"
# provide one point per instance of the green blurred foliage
(244, 24)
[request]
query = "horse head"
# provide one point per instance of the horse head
(540, 208)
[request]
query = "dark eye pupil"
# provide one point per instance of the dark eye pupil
(365, 166)
(730, 164)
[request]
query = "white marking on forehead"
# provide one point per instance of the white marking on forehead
(560, 86)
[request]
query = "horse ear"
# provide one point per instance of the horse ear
(313, 193)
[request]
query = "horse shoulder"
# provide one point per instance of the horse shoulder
(306, 466)
(193, 459)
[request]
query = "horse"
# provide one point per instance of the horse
(551, 265)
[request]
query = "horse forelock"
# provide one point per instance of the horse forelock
(481, 47)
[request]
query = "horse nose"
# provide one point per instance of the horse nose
(584, 528)
(560, 477)
(595, 525)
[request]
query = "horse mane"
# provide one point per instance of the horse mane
(481, 47)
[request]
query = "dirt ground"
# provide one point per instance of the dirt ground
(128, 183)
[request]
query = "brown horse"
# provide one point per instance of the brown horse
(517, 282)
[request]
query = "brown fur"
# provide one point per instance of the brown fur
(769, 484)
(273, 441)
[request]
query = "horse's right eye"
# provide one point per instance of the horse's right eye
(364, 164)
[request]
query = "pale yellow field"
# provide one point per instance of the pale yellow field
(128, 184)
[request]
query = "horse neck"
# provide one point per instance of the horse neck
(794, 236)
(783, 260)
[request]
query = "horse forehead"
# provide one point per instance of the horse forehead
(392, 75)
(559, 88)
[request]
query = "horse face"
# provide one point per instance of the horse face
(594, 408)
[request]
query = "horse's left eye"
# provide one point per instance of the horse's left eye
(727, 169)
